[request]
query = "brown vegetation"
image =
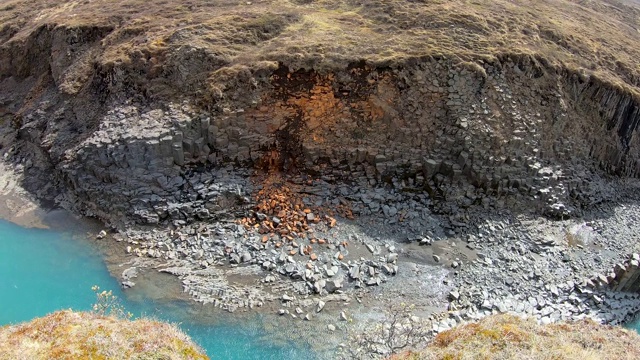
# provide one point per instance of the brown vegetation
(509, 337)
(202, 44)
(79, 335)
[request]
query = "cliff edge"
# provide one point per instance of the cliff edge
(81, 335)
(510, 337)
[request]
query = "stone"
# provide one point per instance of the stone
(331, 272)
(331, 327)
(130, 273)
(436, 258)
(260, 216)
(319, 285)
(343, 316)
(101, 235)
(354, 273)
(371, 248)
(203, 214)
(333, 285)
(320, 306)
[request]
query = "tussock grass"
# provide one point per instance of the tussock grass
(510, 337)
(82, 335)
(597, 36)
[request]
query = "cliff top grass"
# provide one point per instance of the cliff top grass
(599, 37)
(510, 337)
(83, 335)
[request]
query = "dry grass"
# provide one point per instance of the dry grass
(597, 36)
(509, 337)
(78, 335)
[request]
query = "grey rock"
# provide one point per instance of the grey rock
(371, 248)
(354, 273)
(333, 285)
(319, 285)
(130, 273)
(246, 257)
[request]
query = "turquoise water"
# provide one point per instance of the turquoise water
(42, 271)
(635, 325)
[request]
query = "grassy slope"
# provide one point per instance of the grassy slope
(599, 36)
(78, 335)
(509, 337)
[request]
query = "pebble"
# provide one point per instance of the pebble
(343, 316)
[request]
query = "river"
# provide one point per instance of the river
(44, 270)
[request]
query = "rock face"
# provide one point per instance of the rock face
(624, 277)
(463, 134)
(114, 128)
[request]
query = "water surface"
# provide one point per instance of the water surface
(44, 270)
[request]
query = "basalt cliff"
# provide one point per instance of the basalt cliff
(326, 148)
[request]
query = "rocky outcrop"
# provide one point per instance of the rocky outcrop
(118, 134)
(466, 133)
(624, 277)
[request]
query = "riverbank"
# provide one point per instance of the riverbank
(504, 262)
(48, 270)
